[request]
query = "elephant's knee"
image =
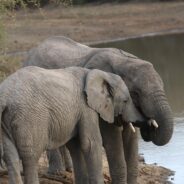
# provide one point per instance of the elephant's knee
(90, 145)
(86, 145)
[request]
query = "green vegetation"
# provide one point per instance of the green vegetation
(11, 4)
(8, 65)
(2, 34)
(5, 6)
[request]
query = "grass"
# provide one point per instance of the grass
(8, 65)
(2, 35)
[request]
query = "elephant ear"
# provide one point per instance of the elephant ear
(99, 91)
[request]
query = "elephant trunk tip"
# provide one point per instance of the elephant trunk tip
(162, 135)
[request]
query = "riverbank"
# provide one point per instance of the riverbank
(90, 23)
(148, 174)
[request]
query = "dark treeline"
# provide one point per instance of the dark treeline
(41, 3)
(44, 2)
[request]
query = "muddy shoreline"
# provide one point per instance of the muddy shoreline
(148, 174)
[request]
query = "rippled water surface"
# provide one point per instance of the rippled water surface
(167, 55)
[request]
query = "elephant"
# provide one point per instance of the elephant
(146, 89)
(44, 109)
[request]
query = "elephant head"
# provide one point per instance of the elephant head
(109, 96)
(147, 92)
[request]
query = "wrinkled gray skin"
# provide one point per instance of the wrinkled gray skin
(43, 109)
(144, 84)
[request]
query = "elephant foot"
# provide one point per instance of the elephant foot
(132, 180)
(62, 176)
(2, 166)
(56, 168)
(59, 172)
(56, 172)
(70, 169)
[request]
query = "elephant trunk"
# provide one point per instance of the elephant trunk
(163, 116)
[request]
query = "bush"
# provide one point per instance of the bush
(8, 65)
(11, 4)
(2, 31)
(2, 35)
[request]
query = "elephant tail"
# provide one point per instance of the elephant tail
(1, 139)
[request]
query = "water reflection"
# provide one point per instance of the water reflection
(167, 55)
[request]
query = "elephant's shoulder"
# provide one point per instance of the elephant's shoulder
(62, 47)
(126, 54)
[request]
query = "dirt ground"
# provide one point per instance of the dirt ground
(148, 174)
(25, 28)
(91, 23)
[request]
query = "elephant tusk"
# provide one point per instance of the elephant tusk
(132, 127)
(153, 122)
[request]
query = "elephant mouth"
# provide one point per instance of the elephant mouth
(147, 123)
(146, 127)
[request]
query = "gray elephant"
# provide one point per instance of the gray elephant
(43, 109)
(146, 89)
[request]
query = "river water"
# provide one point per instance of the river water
(166, 52)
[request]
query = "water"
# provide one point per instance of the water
(170, 155)
(167, 55)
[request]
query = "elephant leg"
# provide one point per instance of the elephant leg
(91, 146)
(130, 141)
(12, 161)
(80, 170)
(112, 142)
(56, 164)
(29, 153)
(66, 158)
(2, 166)
(30, 168)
